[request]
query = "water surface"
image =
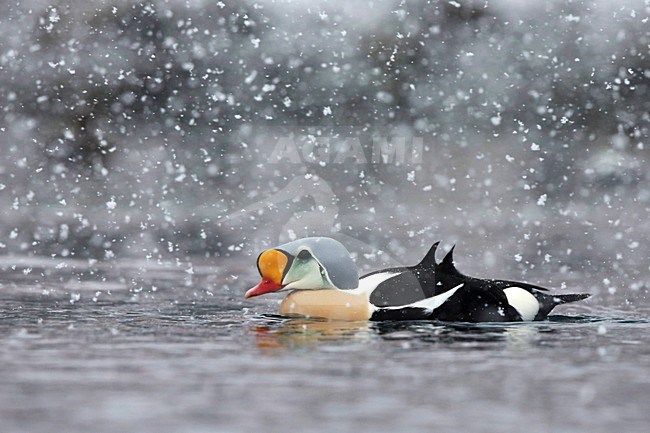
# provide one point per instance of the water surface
(174, 348)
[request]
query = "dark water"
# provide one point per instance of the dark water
(141, 347)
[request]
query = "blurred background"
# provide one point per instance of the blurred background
(164, 130)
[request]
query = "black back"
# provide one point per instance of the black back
(478, 300)
(447, 273)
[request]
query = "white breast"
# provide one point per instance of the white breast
(523, 301)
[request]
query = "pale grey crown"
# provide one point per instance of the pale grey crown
(332, 256)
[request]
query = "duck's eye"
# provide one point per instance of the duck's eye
(304, 255)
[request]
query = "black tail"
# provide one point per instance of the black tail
(563, 299)
(548, 302)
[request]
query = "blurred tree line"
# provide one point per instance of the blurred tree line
(161, 105)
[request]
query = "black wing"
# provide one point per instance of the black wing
(402, 288)
(410, 284)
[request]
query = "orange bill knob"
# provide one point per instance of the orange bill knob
(271, 264)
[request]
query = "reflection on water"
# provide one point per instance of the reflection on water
(465, 335)
(301, 332)
(595, 319)
(276, 332)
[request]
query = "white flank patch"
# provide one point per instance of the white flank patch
(368, 284)
(523, 301)
(431, 303)
(436, 301)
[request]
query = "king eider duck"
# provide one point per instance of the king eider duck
(323, 282)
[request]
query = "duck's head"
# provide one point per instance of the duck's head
(305, 264)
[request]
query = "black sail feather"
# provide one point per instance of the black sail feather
(447, 265)
(429, 259)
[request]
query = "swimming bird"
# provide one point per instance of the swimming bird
(322, 281)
